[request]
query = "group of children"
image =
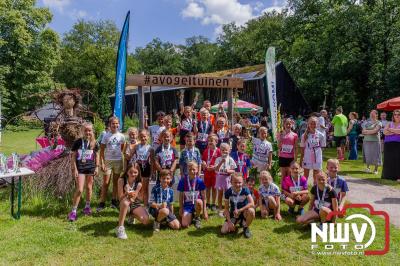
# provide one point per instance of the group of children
(213, 173)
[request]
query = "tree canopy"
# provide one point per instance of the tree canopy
(347, 50)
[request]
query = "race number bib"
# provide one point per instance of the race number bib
(287, 148)
(87, 155)
(191, 196)
(320, 203)
(202, 137)
(295, 188)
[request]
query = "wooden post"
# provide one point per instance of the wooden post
(151, 106)
(230, 107)
(141, 106)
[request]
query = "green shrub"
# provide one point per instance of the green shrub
(98, 125)
(130, 122)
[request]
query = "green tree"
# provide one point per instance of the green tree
(89, 52)
(163, 58)
(29, 52)
(199, 55)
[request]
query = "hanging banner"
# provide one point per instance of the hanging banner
(271, 82)
(120, 73)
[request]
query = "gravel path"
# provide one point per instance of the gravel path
(381, 197)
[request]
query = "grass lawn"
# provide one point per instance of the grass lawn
(43, 236)
(21, 142)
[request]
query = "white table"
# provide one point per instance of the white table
(10, 179)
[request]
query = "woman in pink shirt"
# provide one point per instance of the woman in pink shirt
(287, 143)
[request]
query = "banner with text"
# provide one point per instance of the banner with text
(271, 82)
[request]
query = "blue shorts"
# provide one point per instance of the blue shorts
(189, 208)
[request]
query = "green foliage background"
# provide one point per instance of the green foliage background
(348, 50)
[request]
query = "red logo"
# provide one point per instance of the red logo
(372, 212)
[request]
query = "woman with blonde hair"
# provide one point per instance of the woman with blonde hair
(372, 154)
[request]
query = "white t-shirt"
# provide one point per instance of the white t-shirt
(261, 150)
(113, 144)
(155, 131)
(312, 147)
(228, 165)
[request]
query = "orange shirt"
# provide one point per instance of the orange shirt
(212, 118)
(174, 132)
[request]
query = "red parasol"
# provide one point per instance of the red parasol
(389, 105)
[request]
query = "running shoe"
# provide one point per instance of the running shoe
(291, 210)
(246, 232)
(156, 226)
(72, 217)
(87, 211)
(213, 208)
(197, 222)
(121, 234)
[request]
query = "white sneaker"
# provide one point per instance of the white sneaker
(221, 214)
(156, 226)
(375, 172)
(121, 232)
(367, 170)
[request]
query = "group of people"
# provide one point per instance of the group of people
(212, 170)
(380, 138)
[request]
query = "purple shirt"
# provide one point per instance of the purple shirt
(394, 137)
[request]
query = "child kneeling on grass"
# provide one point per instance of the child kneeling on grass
(295, 189)
(269, 201)
(192, 197)
(161, 208)
(323, 201)
(129, 187)
(239, 207)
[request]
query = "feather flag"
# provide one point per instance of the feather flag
(120, 74)
(271, 82)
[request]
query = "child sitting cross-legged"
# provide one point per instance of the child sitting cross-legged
(269, 196)
(192, 197)
(239, 207)
(161, 207)
(129, 186)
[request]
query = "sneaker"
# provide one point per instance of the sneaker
(87, 211)
(208, 206)
(101, 207)
(291, 210)
(197, 222)
(221, 214)
(301, 211)
(375, 172)
(72, 217)
(367, 170)
(114, 204)
(246, 232)
(156, 226)
(213, 208)
(121, 232)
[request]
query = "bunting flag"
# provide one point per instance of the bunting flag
(271, 83)
(120, 73)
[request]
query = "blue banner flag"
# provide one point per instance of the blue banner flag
(120, 73)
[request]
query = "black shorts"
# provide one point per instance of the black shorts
(340, 141)
(87, 171)
(145, 170)
(134, 205)
(154, 212)
(285, 162)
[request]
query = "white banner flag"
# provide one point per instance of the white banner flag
(271, 82)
